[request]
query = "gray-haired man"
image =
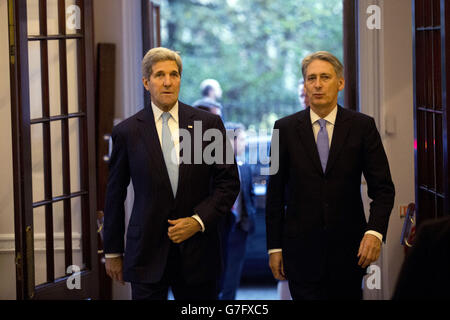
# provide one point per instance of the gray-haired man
(172, 236)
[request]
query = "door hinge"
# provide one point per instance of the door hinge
(12, 39)
(30, 260)
(19, 266)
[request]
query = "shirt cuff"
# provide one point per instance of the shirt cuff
(376, 234)
(274, 250)
(112, 255)
(196, 217)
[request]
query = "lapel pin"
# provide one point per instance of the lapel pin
(190, 127)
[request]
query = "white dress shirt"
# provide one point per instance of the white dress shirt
(331, 120)
(173, 124)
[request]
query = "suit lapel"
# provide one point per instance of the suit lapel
(148, 131)
(185, 119)
(306, 134)
(340, 133)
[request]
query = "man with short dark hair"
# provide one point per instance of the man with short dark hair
(242, 222)
(172, 236)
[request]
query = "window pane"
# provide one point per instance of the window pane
(33, 17)
(439, 207)
(52, 17)
(436, 12)
(419, 13)
(40, 257)
(57, 171)
(58, 229)
(437, 76)
(54, 78)
(428, 13)
(421, 148)
(425, 206)
(74, 145)
(34, 67)
(72, 76)
(429, 69)
(77, 233)
(37, 162)
(439, 155)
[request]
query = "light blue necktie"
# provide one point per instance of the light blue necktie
(323, 145)
(167, 147)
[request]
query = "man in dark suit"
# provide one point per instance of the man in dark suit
(317, 234)
(242, 222)
(179, 197)
(424, 273)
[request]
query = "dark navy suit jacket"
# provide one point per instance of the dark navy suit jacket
(318, 218)
(208, 190)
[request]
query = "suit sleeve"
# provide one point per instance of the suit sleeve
(225, 187)
(275, 197)
(116, 192)
(379, 182)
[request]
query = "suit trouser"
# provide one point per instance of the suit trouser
(173, 278)
(327, 289)
(326, 269)
(237, 243)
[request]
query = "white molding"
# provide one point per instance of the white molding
(371, 102)
(7, 242)
(132, 56)
(371, 52)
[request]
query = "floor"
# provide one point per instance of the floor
(264, 292)
(253, 292)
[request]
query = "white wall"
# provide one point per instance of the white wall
(119, 22)
(7, 248)
(386, 78)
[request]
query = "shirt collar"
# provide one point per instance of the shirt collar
(330, 118)
(157, 112)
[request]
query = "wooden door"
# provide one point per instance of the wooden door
(52, 93)
(431, 37)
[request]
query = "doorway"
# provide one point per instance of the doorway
(254, 50)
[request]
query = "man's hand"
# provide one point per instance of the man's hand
(114, 269)
(369, 250)
(182, 229)
(276, 265)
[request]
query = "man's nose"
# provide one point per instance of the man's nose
(167, 81)
(318, 83)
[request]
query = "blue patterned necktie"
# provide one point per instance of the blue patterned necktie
(167, 147)
(323, 145)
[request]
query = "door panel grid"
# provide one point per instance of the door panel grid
(61, 218)
(430, 108)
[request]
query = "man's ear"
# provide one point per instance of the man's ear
(341, 84)
(145, 83)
